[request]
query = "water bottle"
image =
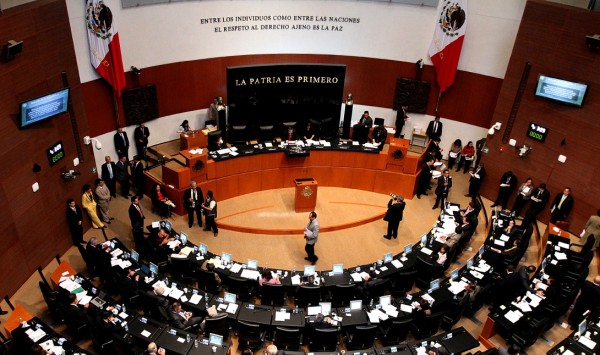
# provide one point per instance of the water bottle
(126, 327)
(124, 310)
(267, 265)
(187, 338)
(294, 270)
(195, 343)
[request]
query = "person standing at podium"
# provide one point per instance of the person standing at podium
(311, 233)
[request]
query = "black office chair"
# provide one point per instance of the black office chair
(88, 262)
(326, 339)
(426, 272)
(238, 135)
(207, 282)
(273, 295)
(182, 271)
(342, 294)
(288, 338)
(51, 298)
(151, 307)
(361, 337)
(394, 332)
(217, 325)
(266, 133)
(308, 295)
(428, 326)
(360, 133)
(250, 335)
(379, 289)
(402, 283)
(240, 286)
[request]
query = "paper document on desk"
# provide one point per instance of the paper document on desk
(523, 306)
(70, 285)
(563, 245)
(373, 317)
(234, 154)
(223, 151)
(85, 299)
(560, 256)
(369, 145)
(145, 333)
(587, 342)
(477, 274)
(483, 266)
(504, 238)
(173, 244)
(296, 280)
(250, 274)
(236, 268)
(397, 264)
(513, 316)
(457, 287)
(116, 252)
(406, 308)
(499, 242)
(327, 144)
(232, 308)
(426, 250)
(428, 298)
(195, 299)
(282, 316)
(356, 277)
(35, 335)
(186, 251)
(391, 310)
(355, 143)
(176, 293)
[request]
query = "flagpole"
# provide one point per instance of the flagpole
(437, 104)
(116, 108)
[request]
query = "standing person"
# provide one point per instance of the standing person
(592, 227)
(123, 175)
(434, 129)
(425, 178)
(311, 234)
(587, 300)
(479, 149)
(454, 153)
(475, 181)
(366, 120)
(213, 111)
(103, 195)
(401, 118)
(193, 199)
(394, 215)
(508, 182)
(523, 195)
(89, 205)
(141, 134)
(210, 211)
(467, 153)
(539, 199)
(109, 171)
(434, 149)
(75, 221)
(121, 142)
(561, 206)
(137, 172)
(442, 189)
(136, 216)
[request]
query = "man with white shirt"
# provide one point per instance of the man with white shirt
(192, 201)
(121, 143)
(539, 199)
(561, 206)
(109, 175)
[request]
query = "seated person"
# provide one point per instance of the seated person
(467, 228)
(309, 132)
(211, 313)
(161, 202)
(510, 230)
(440, 257)
(210, 266)
(322, 322)
(290, 135)
(154, 350)
(379, 136)
(109, 324)
(185, 127)
(220, 143)
(269, 278)
(451, 239)
(37, 349)
(77, 314)
(308, 280)
(471, 210)
(367, 286)
(163, 304)
(182, 319)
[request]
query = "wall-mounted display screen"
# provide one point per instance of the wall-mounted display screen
(563, 91)
(43, 108)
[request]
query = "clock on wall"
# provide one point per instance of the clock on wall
(537, 132)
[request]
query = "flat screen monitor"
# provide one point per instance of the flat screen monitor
(388, 257)
(43, 108)
(309, 270)
(145, 269)
(215, 339)
(153, 268)
(408, 249)
(338, 268)
(481, 250)
(325, 307)
(183, 238)
(166, 225)
(434, 284)
(355, 305)
(213, 137)
(313, 310)
(454, 274)
(135, 256)
(385, 300)
(424, 239)
(229, 297)
(470, 263)
(559, 90)
(582, 327)
(252, 264)
(203, 248)
(225, 258)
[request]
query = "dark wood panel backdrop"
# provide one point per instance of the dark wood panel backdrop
(33, 224)
(552, 39)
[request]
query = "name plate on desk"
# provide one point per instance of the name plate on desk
(296, 151)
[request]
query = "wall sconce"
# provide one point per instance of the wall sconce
(87, 141)
(562, 158)
(512, 142)
(136, 71)
(494, 128)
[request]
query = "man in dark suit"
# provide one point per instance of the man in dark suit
(479, 149)
(122, 175)
(475, 181)
(561, 206)
(75, 221)
(366, 120)
(539, 199)
(434, 129)
(136, 216)
(425, 177)
(442, 189)
(379, 136)
(75, 313)
(401, 118)
(109, 175)
(121, 143)
(508, 182)
(434, 149)
(182, 319)
(192, 201)
(141, 134)
(589, 299)
(394, 215)
(137, 172)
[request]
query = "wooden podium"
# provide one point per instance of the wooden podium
(306, 194)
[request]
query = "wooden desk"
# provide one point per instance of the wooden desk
(544, 239)
(419, 139)
(306, 195)
(58, 273)
(196, 163)
(193, 139)
(18, 315)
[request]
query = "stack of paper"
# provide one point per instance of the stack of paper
(513, 316)
(282, 316)
(195, 299)
(232, 308)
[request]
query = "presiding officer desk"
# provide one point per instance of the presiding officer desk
(244, 169)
